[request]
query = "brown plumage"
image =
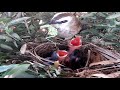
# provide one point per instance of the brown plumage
(67, 24)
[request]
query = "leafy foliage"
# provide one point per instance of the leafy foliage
(104, 28)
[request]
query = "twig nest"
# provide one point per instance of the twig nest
(45, 49)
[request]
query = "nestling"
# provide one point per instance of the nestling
(67, 24)
(74, 44)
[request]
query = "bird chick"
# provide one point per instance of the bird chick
(59, 55)
(76, 59)
(74, 44)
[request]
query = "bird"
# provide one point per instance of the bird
(59, 55)
(74, 43)
(77, 59)
(71, 57)
(74, 60)
(67, 24)
(62, 54)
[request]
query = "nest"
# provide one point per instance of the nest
(93, 59)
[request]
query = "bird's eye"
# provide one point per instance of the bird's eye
(60, 22)
(64, 21)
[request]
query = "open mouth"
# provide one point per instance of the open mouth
(62, 53)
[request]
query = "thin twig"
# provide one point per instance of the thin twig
(107, 68)
(36, 57)
(25, 22)
(88, 58)
(55, 42)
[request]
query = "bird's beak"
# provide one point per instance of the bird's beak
(52, 22)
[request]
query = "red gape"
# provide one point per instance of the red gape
(62, 54)
(75, 43)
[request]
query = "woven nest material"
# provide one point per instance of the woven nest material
(45, 49)
(93, 59)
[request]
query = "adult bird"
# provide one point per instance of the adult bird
(67, 24)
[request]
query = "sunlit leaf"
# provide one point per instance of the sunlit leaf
(116, 22)
(51, 30)
(23, 49)
(6, 67)
(8, 30)
(5, 20)
(16, 71)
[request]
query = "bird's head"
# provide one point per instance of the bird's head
(75, 43)
(64, 20)
(62, 54)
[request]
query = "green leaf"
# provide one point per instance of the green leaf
(89, 15)
(31, 27)
(25, 75)
(110, 36)
(5, 20)
(100, 25)
(16, 71)
(112, 22)
(15, 43)
(51, 30)
(116, 22)
(16, 36)
(5, 37)
(102, 14)
(7, 67)
(86, 32)
(113, 16)
(18, 20)
(4, 46)
(109, 43)
(8, 30)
